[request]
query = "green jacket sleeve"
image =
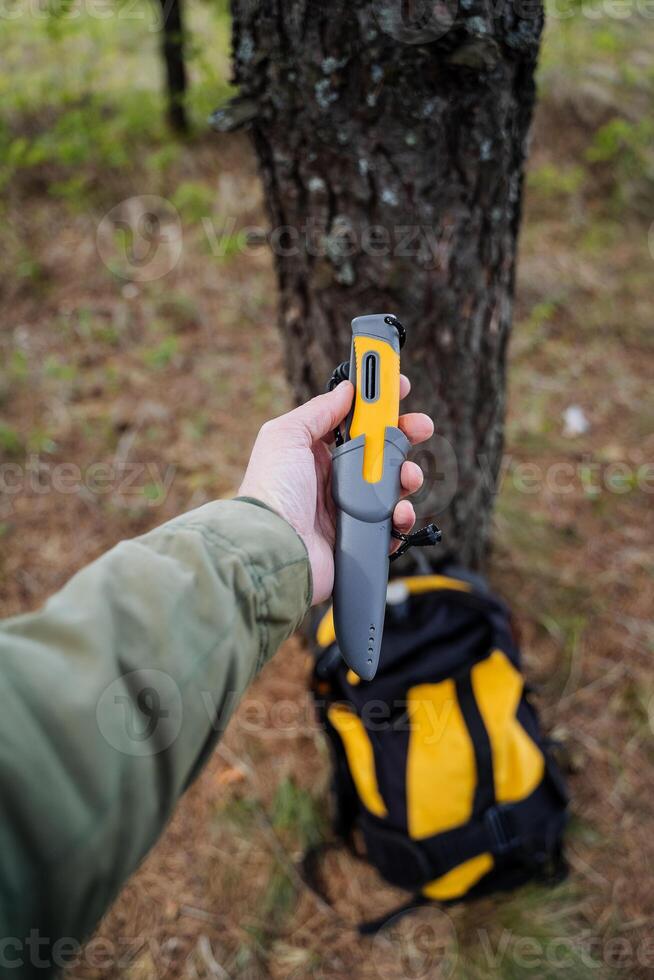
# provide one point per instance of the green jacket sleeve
(114, 693)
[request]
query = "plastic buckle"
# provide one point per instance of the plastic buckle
(496, 822)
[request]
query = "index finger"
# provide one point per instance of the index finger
(417, 427)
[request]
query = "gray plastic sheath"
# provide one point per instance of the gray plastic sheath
(363, 533)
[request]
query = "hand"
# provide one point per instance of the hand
(290, 471)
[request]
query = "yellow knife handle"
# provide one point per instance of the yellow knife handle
(375, 371)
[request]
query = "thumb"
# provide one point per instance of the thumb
(322, 414)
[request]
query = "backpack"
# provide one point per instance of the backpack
(439, 762)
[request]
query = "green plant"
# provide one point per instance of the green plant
(196, 427)
(160, 356)
(17, 367)
(11, 443)
(154, 493)
(626, 147)
(535, 932)
(241, 812)
(555, 181)
(278, 899)
(194, 200)
(40, 440)
(58, 369)
(163, 158)
(296, 812)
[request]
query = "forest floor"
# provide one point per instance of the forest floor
(168, 381)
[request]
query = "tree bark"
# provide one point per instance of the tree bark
(391, 138)
(172, 49)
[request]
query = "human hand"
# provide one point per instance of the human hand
(290, 471)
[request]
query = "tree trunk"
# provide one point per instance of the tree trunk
(391, 138)
(172, 47)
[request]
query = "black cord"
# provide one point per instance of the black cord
(422, 538)
(340, 373)
(393, 321)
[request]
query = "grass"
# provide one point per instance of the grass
(11, 443)
(599, 72)
(535, 933)
(297, 815)
(82, 112)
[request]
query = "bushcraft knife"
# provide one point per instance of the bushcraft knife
(366, 487)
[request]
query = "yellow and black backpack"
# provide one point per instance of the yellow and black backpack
(439, 761)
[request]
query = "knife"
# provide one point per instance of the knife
(366, 488)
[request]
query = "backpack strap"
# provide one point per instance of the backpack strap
(309, 870)
(485, 789)
(412, 864)
(372, 926)
(505, 831)
(525, 831)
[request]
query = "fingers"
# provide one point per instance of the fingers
(404, 517)
(411, 477)
(322, 414)
(417, 427)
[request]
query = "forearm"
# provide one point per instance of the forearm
(114, 692)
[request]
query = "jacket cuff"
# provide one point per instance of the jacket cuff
(299, 550)
(275, 557)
